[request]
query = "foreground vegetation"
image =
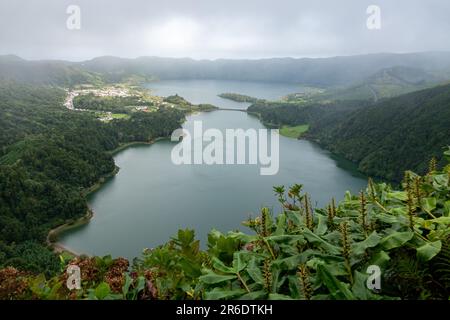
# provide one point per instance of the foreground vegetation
(300, 253)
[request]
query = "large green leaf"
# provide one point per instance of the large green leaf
(254, 295)
(315, 239)
(220, 266)
(292, 262)
(213, 278)
(447, 208)
(429, 250)
(381, 258)
(390, 218)
(278, 278)
(396, 239)
(102, 291)
(360, 289)
(440, 181)
(221, 293)
(294, 216)
(322, 225)
(447, 154)
(277, 296)
(254, 271)
(397, 195)
(338, 266)
(371, 241)
(127, 284)
(338, 290)
(281, 225)
(428, 204)
(238, 261)
(287, 238)
(441, 220)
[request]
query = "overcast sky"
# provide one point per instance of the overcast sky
(214, 29)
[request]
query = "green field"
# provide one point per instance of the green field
(294, 132)
(120, 116)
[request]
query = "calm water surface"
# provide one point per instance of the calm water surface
(151, 198)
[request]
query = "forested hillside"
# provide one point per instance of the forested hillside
(48, 156)
(292, 114)
(393, 135)
(385, 83)
(385, 138)
(51, 72)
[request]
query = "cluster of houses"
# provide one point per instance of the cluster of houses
(111, 92)
(107, 92)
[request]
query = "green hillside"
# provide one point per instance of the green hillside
(49, 156)
(386, 83)
(393, 135)
(51, 72)
(384, 138)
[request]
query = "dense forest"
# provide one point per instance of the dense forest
(182, 104)
(48, 156)
(384, 138)
(278, 114)
(393, 135)
(238, 97)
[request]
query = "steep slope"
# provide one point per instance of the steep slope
(49, 155)
(392, 135)
(387, 83)
(15, 69)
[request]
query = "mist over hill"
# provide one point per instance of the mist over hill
(321, 72)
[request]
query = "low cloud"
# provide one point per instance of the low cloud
(220, 29)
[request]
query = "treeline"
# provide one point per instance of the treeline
(178, 100)
(383, 138)
(292, 114)
(238, 97)
(49, 155)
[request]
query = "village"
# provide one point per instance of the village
(152, 103)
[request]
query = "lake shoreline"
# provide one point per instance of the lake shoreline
(53, 234)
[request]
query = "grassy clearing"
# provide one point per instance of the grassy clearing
(294, 132)
(120, 116)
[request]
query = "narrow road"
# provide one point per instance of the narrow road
(375, 94)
